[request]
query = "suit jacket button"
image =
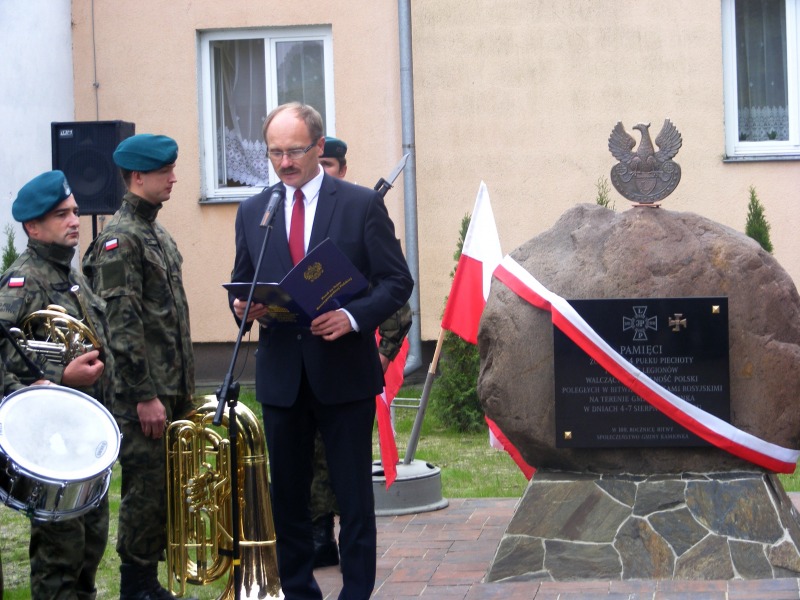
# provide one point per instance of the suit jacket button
(299, 336)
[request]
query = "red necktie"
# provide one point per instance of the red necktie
(297, 228)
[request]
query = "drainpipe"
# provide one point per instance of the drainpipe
(414, 359)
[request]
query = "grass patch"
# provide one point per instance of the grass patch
(470, 468)
(791, 483)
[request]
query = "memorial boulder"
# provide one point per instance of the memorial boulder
(643, 252)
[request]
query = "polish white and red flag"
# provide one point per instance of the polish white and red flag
(469, 292)
(393, 378)
(480, 255)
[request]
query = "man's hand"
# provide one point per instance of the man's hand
(331, 325)
(256, 310)
(83, 370)
(153, 417)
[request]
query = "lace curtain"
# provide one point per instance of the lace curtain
(245, 160)
(241, 110)
(761, 68)
(760, 123)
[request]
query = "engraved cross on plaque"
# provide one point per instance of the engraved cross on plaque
(677, 322)
(639, 323)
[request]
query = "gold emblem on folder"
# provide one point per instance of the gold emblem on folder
(313, 272)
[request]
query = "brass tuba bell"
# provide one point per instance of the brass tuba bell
(57, 335)
(199, 521)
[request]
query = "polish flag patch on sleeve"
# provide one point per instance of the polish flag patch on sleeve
(111, 245)
(16, 282)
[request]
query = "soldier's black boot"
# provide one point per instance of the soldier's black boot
(141, 583)
(129, 581)
(326, 552)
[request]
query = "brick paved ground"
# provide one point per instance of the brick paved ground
(445, 554)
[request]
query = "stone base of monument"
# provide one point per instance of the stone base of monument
(418, 488)
(691, 526)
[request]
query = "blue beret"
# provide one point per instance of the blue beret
(40, 195)
(334, 148)
(146, 152)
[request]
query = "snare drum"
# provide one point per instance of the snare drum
(57, 448)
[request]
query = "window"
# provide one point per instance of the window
(760, 58)
(243, 75)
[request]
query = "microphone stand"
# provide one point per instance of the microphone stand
(228, 393)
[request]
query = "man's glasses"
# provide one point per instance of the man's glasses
(296, 154)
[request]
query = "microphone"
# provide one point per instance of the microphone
(274, 199)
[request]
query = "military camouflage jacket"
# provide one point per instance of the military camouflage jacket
(393, 330)
(41, 276)
(135, 266)
(10, 383)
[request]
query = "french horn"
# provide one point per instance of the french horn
(55, 334)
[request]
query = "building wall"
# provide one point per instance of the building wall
(521, 95)
(147, 69)
(36, 71)
(524, 95)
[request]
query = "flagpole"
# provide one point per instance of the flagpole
(411, 450)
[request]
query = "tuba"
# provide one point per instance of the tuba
(64, 336)
(199, 521)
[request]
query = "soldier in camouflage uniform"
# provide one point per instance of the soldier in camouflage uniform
(392, 332)
(135, 266)
(64, 554)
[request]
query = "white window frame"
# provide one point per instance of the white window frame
(210, 193)
(768, 149)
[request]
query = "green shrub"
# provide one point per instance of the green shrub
(603, 198)
(756, 226)
(454, 397)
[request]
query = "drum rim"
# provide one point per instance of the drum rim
(22, 464)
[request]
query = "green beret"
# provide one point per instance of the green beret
(146, 152)
(40, 195)
(334, 148)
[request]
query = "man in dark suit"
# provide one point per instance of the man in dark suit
(324, 377)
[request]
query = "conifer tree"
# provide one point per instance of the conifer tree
(756, 226)
(10, 253)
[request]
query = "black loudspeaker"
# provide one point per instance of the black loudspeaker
(83, 150)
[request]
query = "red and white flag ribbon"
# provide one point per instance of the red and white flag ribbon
(383, 405)
(714, 430)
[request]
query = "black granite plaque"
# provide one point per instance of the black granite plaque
(681, 343)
